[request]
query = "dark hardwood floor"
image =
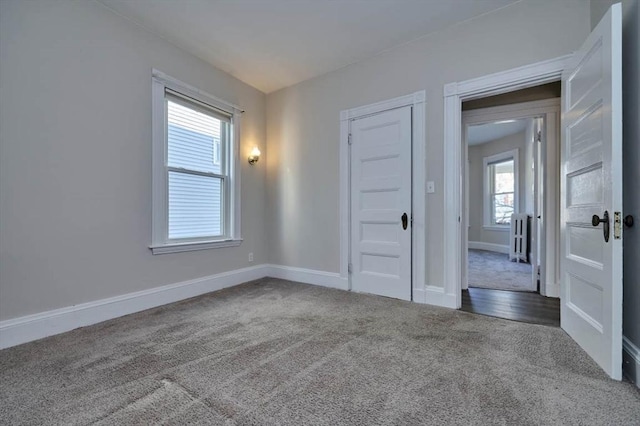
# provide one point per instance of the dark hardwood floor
(513, 305)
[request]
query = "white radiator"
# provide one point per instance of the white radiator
(519, 237)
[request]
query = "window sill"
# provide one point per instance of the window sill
(504, 228)
(192, 246)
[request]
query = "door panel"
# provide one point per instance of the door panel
(591, 268)
(380, 195)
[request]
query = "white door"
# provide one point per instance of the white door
(591, 268)
(381, 204)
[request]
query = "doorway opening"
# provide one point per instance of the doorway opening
(508, 157)
(477, 89)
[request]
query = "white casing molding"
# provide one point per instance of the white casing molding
(418, 193)
(631, 361)
(454, 93)
(497, 248)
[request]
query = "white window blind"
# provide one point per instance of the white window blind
(197, 169)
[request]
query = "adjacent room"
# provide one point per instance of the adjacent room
(509, 142)
(503, 224)
(499, 247)
(319, 212)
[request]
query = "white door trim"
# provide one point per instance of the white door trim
(454, 93)
(418, 237)
(550, 109)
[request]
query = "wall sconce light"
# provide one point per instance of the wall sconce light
(254, 156)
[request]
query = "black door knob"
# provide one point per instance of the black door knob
(595, 221)
(628, 221)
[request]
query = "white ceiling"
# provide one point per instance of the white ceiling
(483, 133)
(271, 44)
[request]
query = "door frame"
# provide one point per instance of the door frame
(418, 237)
(454, 94)
(549, 109)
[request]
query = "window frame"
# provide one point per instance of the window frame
(487, 193)
(161, 243)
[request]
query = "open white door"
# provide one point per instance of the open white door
(591, 255)
(381, 203)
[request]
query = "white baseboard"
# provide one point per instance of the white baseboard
(431, 295)
(308, 276)
(37, 326)
(631, 361)
(479, 245)
(33, 327)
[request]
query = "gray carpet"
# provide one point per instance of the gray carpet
(488, 269)
(275, 352)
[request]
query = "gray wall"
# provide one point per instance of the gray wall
(476, 185)
(75, 157)
(303, 120)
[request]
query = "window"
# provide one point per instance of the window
(195, 189)
(500, 188)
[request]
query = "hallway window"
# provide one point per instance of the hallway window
(501, 188)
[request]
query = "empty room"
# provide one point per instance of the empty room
(350, 212)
